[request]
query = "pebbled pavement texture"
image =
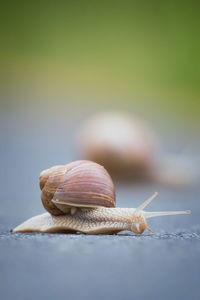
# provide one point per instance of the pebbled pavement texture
(124, 266)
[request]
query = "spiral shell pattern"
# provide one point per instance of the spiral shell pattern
(78, 184)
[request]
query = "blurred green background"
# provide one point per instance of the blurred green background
(141, 56)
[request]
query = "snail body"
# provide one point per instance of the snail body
(80, 197)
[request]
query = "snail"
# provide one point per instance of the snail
(80, 197)
(129, 149)
(122, 143)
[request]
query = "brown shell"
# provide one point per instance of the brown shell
(124, 144)
(78, 184)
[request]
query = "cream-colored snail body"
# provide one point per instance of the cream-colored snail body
(80, 197)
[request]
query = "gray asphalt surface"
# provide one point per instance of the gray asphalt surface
(54, 266)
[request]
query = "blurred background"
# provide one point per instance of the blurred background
(91, 55)
(64, 61)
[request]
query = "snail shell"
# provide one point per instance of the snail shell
(122, 143)
(78, 184)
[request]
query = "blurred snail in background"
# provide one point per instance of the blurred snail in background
(80, 197)
(128, 148)
(119, 142)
